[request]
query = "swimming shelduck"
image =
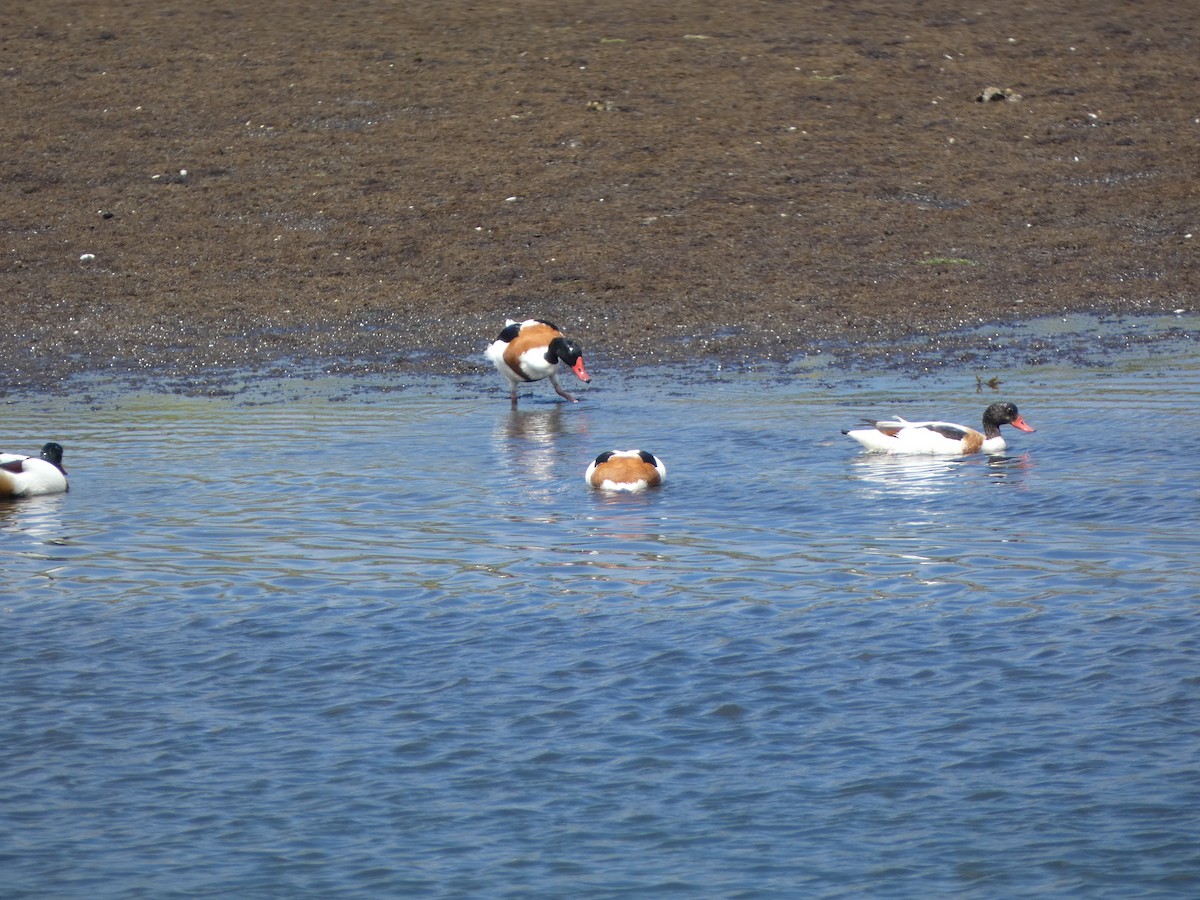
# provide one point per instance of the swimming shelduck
(531, 350)
(28, 476)
(625, 470)
(902, 436)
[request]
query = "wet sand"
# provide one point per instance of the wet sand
(190, 188)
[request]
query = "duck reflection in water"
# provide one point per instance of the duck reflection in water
(39, 517)
(913, 477)
(526, 441)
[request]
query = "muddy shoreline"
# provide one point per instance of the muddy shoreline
(376, 187)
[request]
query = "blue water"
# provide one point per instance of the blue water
(337, 640)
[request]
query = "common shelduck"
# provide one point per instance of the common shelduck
(902, 436)
(625, 470)
(27, 476)
(531, 350)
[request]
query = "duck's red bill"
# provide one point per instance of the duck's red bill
(1018, 422)
(582, 375)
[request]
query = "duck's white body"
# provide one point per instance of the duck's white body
(530, 351)
(29, 476)
(946, 438)
(625, 470)
(942, 438)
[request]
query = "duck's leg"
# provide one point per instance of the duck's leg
(559, 389)
(513, 395)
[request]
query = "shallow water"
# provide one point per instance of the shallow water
(387, 643)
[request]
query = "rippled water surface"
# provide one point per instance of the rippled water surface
(329, 640)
